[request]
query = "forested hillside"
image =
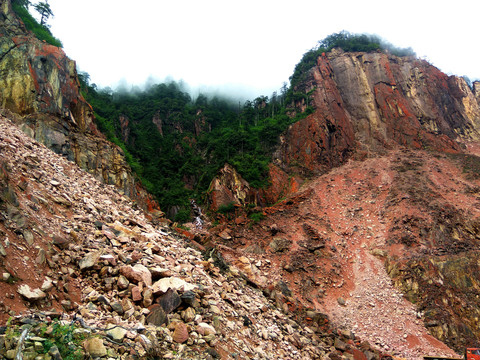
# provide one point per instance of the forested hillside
(176, 143)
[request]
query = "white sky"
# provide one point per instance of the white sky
(251, 45)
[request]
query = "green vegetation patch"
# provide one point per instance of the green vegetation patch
(42, 32)
(176, 144)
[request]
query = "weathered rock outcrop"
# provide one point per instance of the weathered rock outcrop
(369, 102)
(229, 187)
(40, 84)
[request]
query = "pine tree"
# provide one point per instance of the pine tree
(43, 8)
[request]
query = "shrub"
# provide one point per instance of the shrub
(182, 216)
(226, 208)
(256, 216)
(63, 337)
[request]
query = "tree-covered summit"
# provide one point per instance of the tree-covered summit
(347, 42)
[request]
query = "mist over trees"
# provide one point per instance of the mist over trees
(176, 143)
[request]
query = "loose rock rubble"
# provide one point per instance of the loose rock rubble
(76, 250)
(329, 246)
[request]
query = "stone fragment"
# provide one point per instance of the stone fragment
(147, 297)
(137, 273)
(279, 244)
(188, 298)
(215, 309)
(340, 345)
(126, 304)
(156, 316)
(89, 260)
(54, 353)
(41, 257)
(188, 315)
(177, 284)
(117, 307)
(209, 338)
(47, 285)
(28, 236)
(94, 347)
(2, 250)
(98, 224)
(8, 195)
(31, 294)
(122, 282)
(37, 346)
(109, 258)
(116, 333)
(62, 201)
(225, 235)
(169, 301)
(180, 334)
(7, 277)
(137, 293)
(205, 329)
(341, 301)
(67, 305)
(158, 273)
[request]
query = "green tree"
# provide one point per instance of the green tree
(43, 8)
(23, 3)
(41, 31)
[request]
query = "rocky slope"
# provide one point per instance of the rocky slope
(39, 84)
(388, 216)
(74, 249)
(410, 216)
(366, 104)
(382, 235)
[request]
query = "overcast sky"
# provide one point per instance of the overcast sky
(251, 46)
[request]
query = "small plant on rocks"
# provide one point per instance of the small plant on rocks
(64, 337)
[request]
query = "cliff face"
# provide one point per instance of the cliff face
(39, 83)
(391, 212)
(368, 102)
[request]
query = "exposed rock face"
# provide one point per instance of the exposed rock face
(40, 84)
(125, 128)
(38, 77)
(229, 187)
(375, 101)
(281, 185)
(157, 120)
(368, 103)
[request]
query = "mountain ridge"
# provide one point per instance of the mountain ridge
(363, 244)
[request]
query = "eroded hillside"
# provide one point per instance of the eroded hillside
(411, 216)
(75, 250)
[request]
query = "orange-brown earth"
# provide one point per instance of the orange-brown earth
(329, 244)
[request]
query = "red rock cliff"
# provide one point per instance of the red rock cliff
(374, 101)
